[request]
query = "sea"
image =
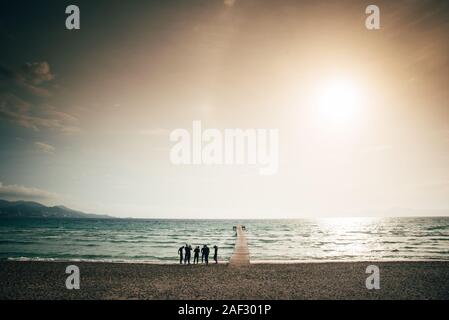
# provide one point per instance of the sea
(274, 241)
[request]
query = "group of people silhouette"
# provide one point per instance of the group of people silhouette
(185, 254)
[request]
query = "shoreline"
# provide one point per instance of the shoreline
(252, 262)
(121, 281)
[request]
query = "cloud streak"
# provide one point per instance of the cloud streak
(45, 147)
(229, 3)
(36, 72)
(17, 192)
(24, 99)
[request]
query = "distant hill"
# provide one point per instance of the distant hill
(28, 209)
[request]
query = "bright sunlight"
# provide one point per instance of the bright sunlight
(339, 101)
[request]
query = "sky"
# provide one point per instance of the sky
(362, 115)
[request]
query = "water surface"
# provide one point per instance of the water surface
(157, 241)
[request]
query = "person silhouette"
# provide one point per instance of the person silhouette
(206, 254)
(196, 256)
(180, 254)
(203, 252)
(190, 252)
(216, 254)
(187, 255)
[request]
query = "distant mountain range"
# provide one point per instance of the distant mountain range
(28, 209)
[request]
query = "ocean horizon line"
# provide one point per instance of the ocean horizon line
(233, 219)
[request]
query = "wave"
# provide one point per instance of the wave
(16, 242)
(442, 227)
(146, 260)
(39, 259)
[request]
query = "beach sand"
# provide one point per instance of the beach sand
(332, 280)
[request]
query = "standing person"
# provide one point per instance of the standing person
(187, 249)
(216, 254)
(206, 254)
(196, 256)
(203, 252)
(189, 253)
(180, 254)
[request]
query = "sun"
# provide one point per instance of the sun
(338, 101)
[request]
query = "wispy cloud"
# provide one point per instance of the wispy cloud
(29, 77)
(36, 72)
(229, 3)
(24, 99)
(44, 147)
(17, 192)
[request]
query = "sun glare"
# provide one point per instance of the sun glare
(339, 101)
